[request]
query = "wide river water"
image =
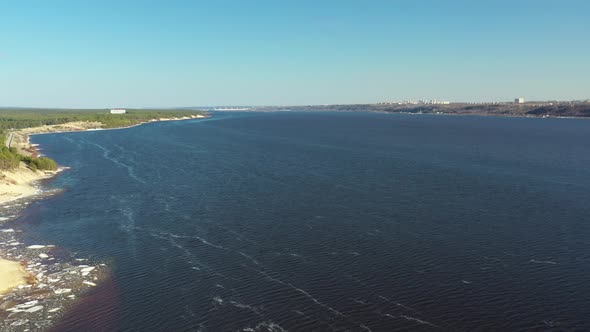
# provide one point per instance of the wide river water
(326, 222)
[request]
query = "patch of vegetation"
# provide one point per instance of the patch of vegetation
(41, 163)
(10, 159)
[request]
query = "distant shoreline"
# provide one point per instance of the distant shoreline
(578, 109)
(113, 128)
(515, 116)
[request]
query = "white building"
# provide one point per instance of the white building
(118, 111)
(519, 100)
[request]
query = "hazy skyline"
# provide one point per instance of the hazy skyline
(189, 53)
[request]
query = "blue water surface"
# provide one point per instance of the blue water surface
(326, 222)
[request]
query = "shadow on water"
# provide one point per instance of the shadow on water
(99, 310)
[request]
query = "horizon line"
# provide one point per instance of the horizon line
(292, 105)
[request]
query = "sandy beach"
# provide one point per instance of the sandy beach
(20, 183)
(12, 274)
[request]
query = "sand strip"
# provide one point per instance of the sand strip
(12, 274)
(19, 183)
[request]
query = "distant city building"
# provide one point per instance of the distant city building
(424, 102)
(519, 100)
(118, 111)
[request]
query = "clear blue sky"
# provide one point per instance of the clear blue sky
(187, 53)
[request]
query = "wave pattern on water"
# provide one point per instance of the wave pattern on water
(106, 153)
(331, 222)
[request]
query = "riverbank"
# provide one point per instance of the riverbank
(38, 283)
(21, 182)
(20, 139)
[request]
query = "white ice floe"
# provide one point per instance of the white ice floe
(7, 230)
(30, 306)
(36, 246)
(88, 283)
(34, 309)
(62, 291)
(43, 256)
(27, 304)
(19, 322)
(85, 271)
